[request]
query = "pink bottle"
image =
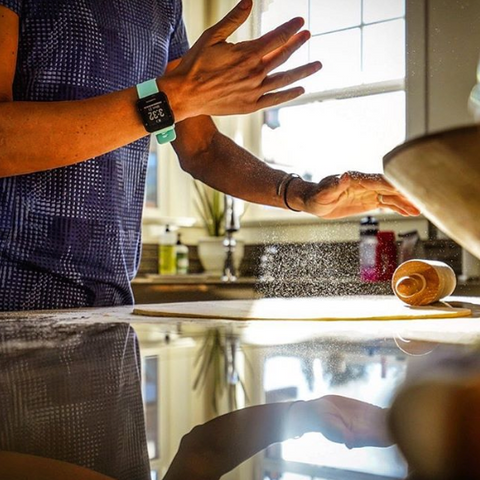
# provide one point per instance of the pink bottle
(386, 256)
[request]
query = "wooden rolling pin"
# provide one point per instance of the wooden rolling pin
(423, 282)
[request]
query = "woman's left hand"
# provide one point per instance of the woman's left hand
(355, 193)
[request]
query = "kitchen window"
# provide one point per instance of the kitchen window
(150, 389)
(152, 198)
(369, 374)
(369, 97)
(354, 110)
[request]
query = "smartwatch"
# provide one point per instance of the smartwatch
(157, 116)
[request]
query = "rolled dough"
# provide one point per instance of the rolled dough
(319, 309)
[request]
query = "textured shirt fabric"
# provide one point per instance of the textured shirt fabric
(72, 393)
(70, 237)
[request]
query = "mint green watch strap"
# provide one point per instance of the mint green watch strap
(166, 135)
(146, 89)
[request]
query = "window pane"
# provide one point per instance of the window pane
(384, 51)
(332, 137)
(340, 54)
(151, 188)
(294, 476)
(282, 372)
(350, 375)
(377, 10)
(150, 395)
(276, 12)
(328, 15)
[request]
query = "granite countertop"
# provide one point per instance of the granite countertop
(291, 287)
(209, 279)
(464, 330)
(190, 279)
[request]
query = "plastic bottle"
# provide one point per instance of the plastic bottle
(181, 251)
(386, 256)
(167, 253)
(411, 247)
(368, 249)
(422, 282)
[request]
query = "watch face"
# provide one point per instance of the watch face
(156, 113)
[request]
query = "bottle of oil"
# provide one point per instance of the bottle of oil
(423, 282)
(182, 257)
(167, 254)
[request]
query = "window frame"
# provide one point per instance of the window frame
(414, 86)
(173, 356)
(177, 205)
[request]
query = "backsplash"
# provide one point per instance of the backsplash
(297, 268)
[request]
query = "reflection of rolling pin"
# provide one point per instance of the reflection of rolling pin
(422, 282)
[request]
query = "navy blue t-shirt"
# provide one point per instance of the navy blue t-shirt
(70, 237)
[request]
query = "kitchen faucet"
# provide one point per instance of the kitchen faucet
(232, 225)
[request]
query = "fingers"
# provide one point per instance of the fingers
(371, 181)
(282, 54)
(273, 99)
(283, 79)
(387, 195)
(355, 193)
(397, 203)
(277, 38)
(230, 23)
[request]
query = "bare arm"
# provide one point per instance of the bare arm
(217, 161)
(37, 136)
(211, 450)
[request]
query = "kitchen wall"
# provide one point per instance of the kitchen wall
(453, 53)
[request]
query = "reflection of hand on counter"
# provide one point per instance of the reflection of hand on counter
(211, 450)
(352, 422)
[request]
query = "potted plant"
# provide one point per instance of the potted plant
(210, 205)
(217, 361)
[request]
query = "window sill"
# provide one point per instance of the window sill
(290, 218)
(304, 228)
(153, 216)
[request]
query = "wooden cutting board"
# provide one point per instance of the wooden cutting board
(319, 309)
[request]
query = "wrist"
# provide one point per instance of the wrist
(297, 194)
(172, 87)
(298, 421)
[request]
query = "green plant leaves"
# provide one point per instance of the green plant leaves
(210, 204)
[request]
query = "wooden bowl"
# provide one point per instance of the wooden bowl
(436, 424)
(440, 174)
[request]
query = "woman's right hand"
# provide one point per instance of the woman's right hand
(220, 78)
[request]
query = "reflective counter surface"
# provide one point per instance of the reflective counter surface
(116, 394)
